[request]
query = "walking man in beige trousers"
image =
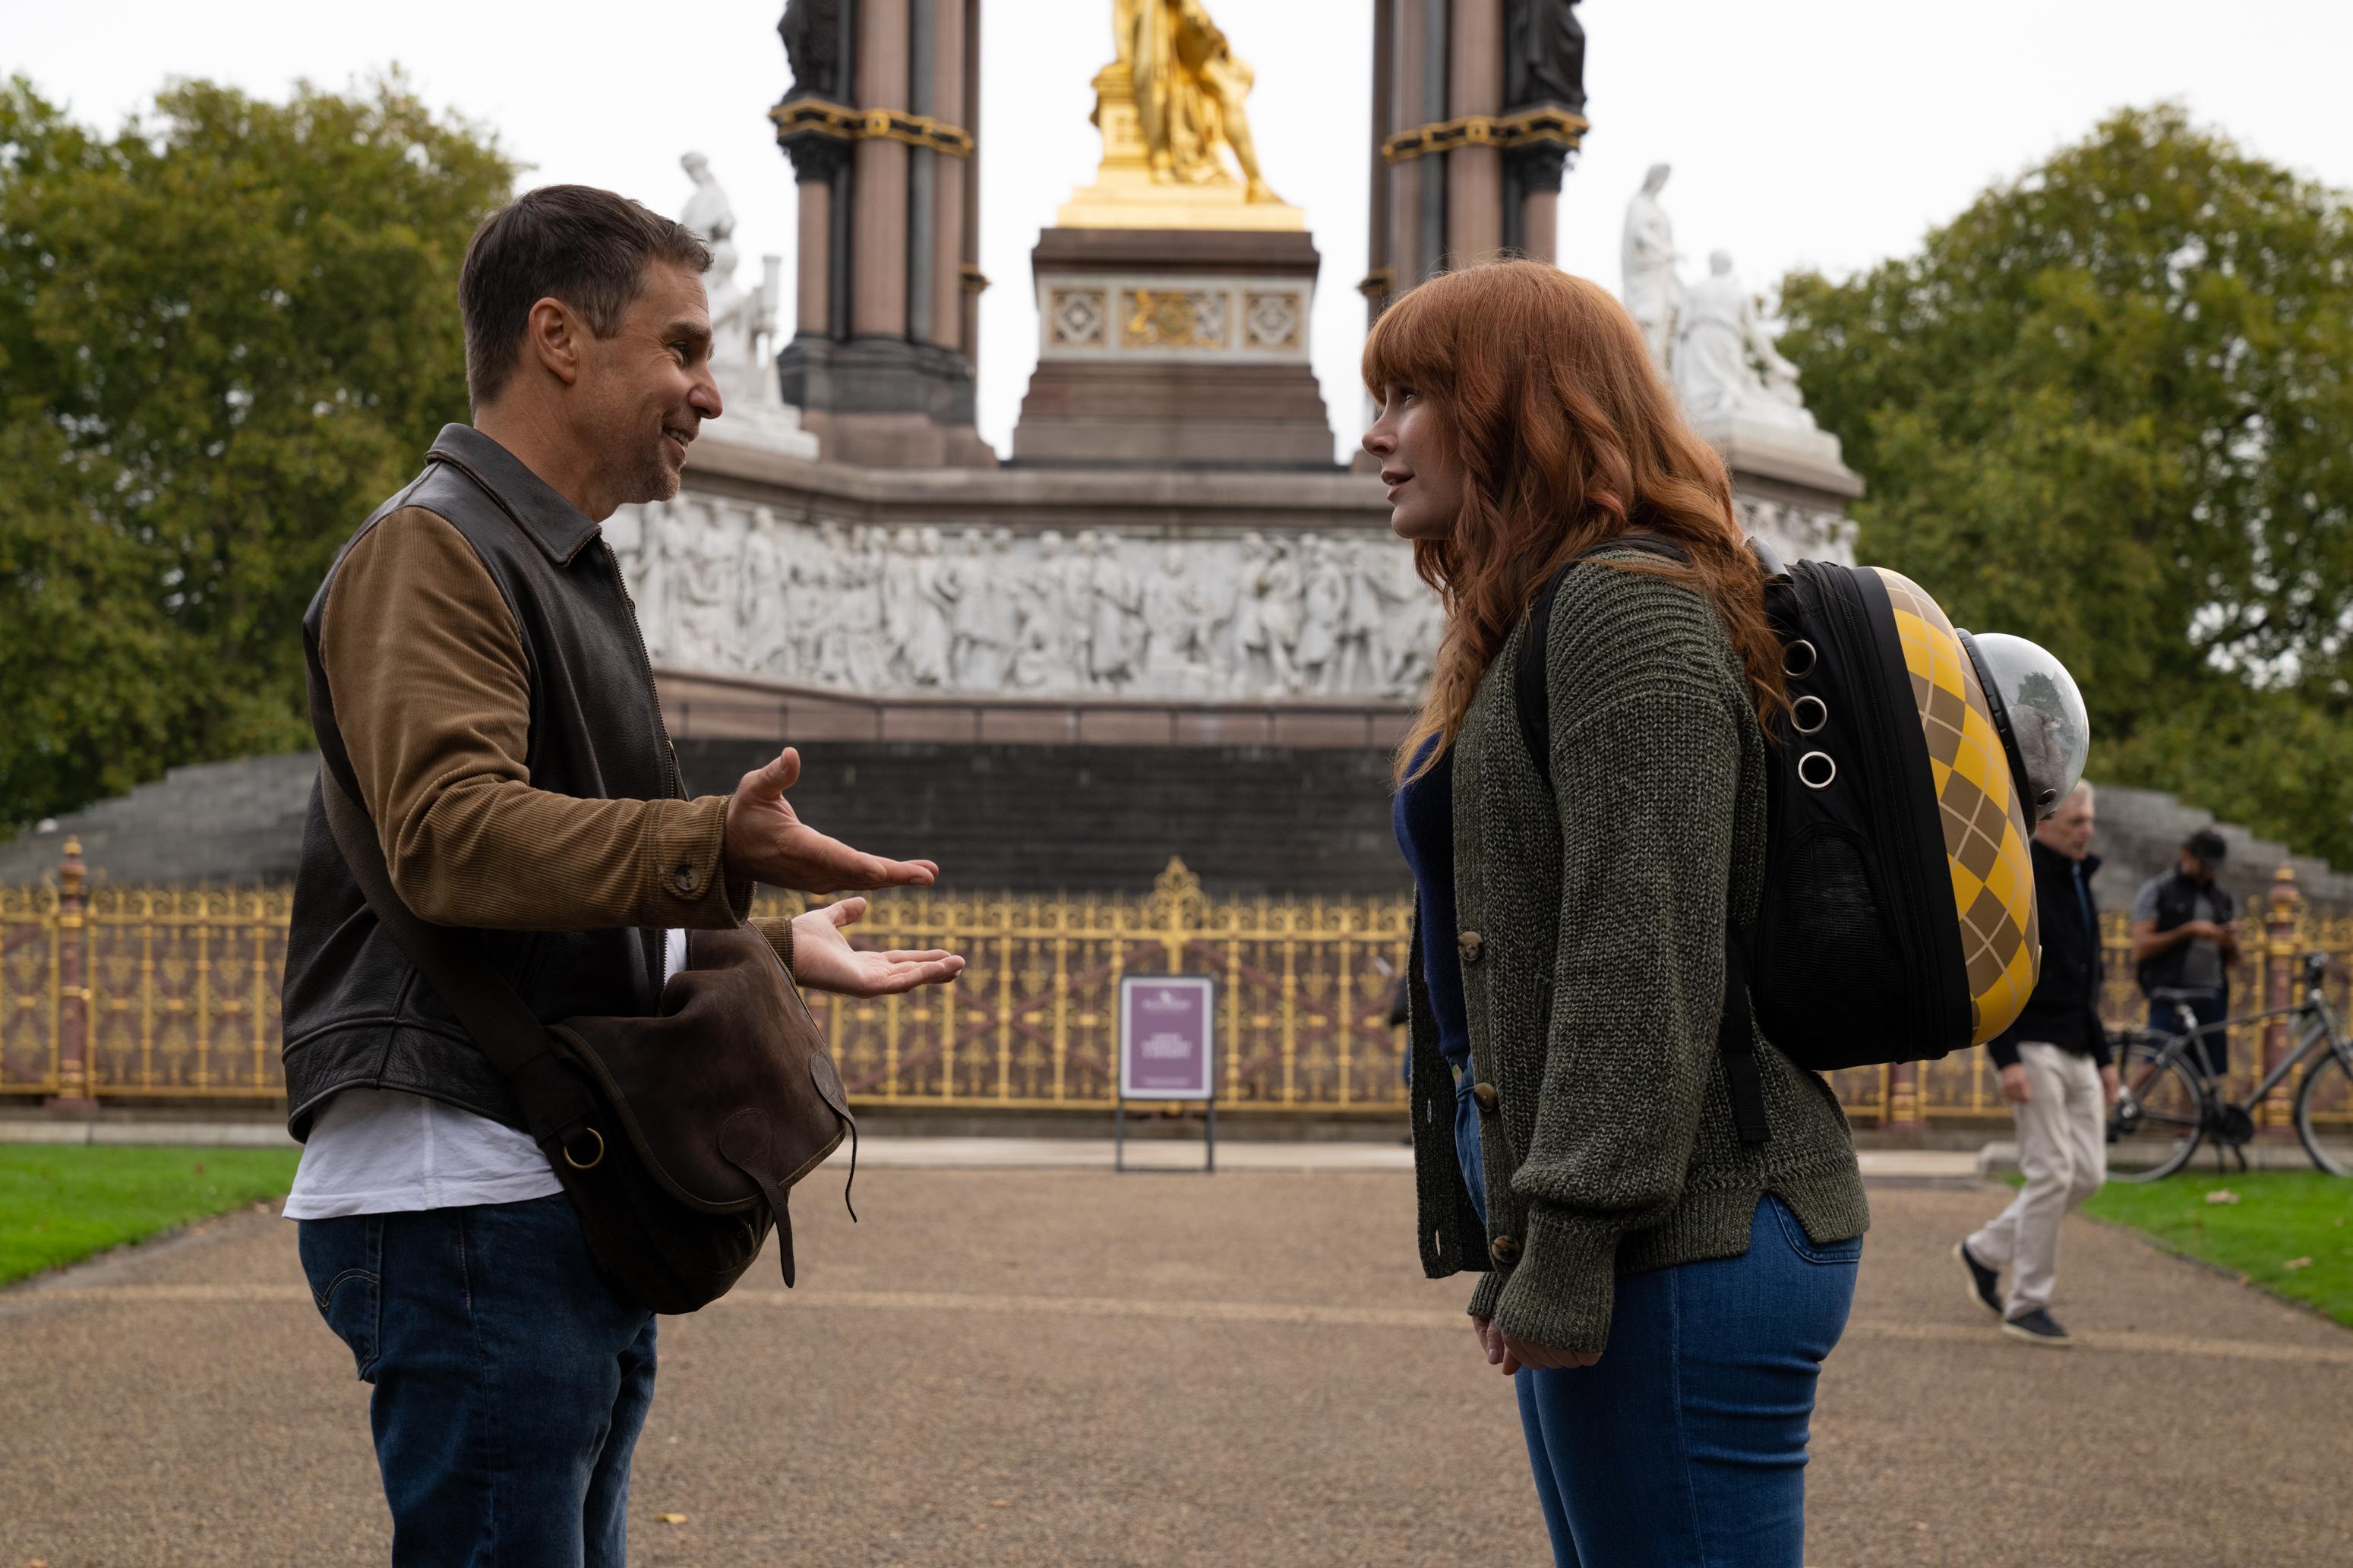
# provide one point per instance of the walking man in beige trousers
(2058, 1078)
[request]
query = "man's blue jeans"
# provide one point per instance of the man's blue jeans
(2206, 1007)
(511, 1382)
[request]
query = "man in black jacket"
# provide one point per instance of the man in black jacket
(2058, 1078)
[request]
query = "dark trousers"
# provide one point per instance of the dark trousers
(2208, 1007)
(511, 1382)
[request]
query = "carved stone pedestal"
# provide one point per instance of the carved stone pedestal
(1789, 484)
(1174, 348)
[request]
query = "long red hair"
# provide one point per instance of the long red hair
(1567, 438)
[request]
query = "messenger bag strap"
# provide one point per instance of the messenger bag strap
(500, 1024)
(1735, 1037)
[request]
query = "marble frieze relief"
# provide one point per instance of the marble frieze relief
(728, 588)
(731, 588)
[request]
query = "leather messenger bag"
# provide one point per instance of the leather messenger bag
(676, 1137)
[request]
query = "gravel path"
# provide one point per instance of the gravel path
(1009, 1367)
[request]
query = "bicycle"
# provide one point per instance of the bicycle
(2168, 1089)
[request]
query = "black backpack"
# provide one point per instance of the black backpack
(1897, 923)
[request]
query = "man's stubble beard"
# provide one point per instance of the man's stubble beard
(651, 480)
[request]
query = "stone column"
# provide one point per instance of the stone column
(1477, 105)
(969, 281)
(941, 275)
(1374, 286)
(878, 168)
(1475, 170)
(1538, 234)
(812, 307)
(877, 125)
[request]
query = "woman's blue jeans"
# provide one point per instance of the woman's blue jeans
(511, 1382)
(1685, 1445)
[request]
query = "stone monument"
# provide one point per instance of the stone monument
(1173, 292)
(885, 326)
(742, 328)
(1478, 106)
(730, 589)
(1711, 341)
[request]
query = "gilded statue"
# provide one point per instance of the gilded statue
(1189, 85)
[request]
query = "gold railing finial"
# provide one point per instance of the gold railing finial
(1177, 880)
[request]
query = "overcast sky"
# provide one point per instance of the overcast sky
(1829, 134)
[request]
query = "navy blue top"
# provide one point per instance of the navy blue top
(1423, 816)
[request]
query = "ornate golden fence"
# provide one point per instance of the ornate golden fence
(172, 994)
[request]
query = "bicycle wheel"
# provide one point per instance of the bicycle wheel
(2326, 1096)
(2156, 1124)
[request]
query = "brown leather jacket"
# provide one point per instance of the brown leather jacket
(494, 698)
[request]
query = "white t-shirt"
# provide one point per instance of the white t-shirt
(383, 1150)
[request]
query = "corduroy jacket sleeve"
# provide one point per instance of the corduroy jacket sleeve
(1646, 762)
(432, 689)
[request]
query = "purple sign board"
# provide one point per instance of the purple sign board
(1167, 1039)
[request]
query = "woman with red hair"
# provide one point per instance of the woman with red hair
(1662, 1292)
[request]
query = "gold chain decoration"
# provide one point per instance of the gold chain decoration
(1530, 127)
(814, 115)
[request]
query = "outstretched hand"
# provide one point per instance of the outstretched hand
(823, 959)
(766, 841)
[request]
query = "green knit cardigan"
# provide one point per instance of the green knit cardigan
(1591, 940)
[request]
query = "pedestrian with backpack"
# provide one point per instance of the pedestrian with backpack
(1689, 828)
(1662, 1291)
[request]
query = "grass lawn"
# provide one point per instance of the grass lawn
(2289, 1231)
(60, 1202)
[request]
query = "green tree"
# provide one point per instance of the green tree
(2110, 407)
(226, 332)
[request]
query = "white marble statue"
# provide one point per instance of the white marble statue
(743, 325)
(738, 319)
(1653, 289)
(1726, 364)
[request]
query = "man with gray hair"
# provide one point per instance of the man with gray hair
(2058, 1078)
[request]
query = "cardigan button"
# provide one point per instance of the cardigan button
(1469, 943)
(1485, 1093)
(1504, 1249)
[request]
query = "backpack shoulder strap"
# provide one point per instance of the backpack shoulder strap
(1529, 692)
(1734, 1034)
